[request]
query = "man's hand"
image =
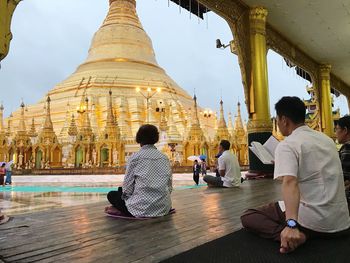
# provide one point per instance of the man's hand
(291, 238)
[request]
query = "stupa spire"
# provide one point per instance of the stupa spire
(110, 113)
(121, 38)
(222, 122)
(48, 123)
(22, 123)
(111, 129)
(195, 117)
(238, 119)
(222, 131)
(73, 129)
(1, 118)
(86, 125)
(32, 132)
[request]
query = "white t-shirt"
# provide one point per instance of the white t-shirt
(228, 162)
(312, 157)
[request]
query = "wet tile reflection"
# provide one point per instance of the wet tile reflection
(13, 202)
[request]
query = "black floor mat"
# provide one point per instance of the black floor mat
(245, 247)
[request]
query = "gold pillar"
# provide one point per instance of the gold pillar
(259, 117)
(326, 100)
(259, 124)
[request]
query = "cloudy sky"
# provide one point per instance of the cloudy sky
(52, 37)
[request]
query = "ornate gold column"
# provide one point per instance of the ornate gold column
(259, 124)
(327, 125)
(7, 7)
(259, 120)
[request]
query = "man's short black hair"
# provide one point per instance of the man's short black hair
(147, 134)
(344, 122)
(292, 108)
(225, 144)
(3, 164)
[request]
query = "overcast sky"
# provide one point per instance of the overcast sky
(52, 37)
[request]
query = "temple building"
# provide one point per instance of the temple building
(91, 118)
(312, 118)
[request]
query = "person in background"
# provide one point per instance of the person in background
(203, 167)
(8, 168)
(229, 169)
(2, 174)
(148, 180)
(196, 170)
(342, 132)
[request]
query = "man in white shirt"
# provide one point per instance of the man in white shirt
(229, 169)
(308, 165)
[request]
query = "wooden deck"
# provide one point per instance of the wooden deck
(85, 234)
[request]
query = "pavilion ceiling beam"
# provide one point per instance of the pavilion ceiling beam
(236, 13)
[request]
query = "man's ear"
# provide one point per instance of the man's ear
(284, 119)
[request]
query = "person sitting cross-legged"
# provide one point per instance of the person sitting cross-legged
(228, 167)
(148, 180)
(314, 203)
(342, 132)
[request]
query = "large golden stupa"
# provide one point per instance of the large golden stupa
(121, 58)
(90, 119)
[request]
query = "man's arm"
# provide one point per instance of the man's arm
(291, 196)
(291, 238)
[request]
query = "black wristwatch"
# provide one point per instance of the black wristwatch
(291, 223)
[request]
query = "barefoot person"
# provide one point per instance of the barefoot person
(196, 170)
(228, 169)
(308, 165)
(2, 174)
(148, 180)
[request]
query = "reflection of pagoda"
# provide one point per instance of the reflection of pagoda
(312, 117)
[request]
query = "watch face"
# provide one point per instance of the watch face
(291, 223)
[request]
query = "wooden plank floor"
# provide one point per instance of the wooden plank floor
(85, 234)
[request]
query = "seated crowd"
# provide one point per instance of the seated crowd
(315, 182)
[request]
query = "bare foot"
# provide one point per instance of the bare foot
(111, 209)
(301, 241)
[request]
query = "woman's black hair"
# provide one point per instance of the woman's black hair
(147, 134)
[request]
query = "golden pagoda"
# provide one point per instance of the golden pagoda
(121, 58)
(21, 143)
(239, 138)
(195, 143)
(47, 150)
(222, 131)
(79, 127)
(110, 148)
